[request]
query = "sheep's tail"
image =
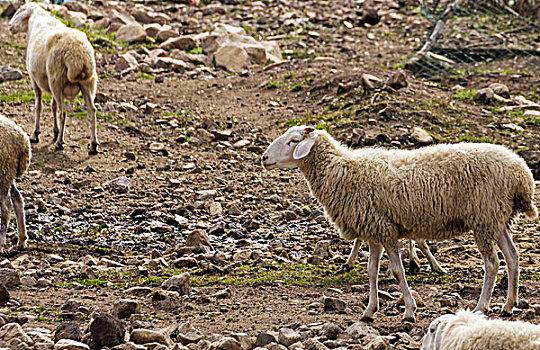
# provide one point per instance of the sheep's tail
(73, 49)
(24, 159)
(523, 197)
(77, 72)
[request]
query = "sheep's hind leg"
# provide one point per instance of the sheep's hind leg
(375, 252)
(414, 260)
(4, 217)
(91, 109)
(18, 206)
(491, 262)
(37, 91)
(435, 266)
(61, 120)
(511, 256)
(399, 274)
(54, 108)
(349, 265)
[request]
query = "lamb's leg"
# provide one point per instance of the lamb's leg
(435, 266)
(54, 108)
(399, 274)
(375, 252)
(349, 265)
(511, 256)
(18, 206)
(414, 260)
(4, 218)
(37, 91)
(91, 109)
(491, 262)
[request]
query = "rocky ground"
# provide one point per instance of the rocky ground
(175, 228)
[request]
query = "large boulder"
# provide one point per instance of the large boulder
(132, 33)
(107, 330)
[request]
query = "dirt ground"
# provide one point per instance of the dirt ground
(153, 137)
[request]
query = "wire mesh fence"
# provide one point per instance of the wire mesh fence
(479, 36)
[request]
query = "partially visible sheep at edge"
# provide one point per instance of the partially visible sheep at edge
(14, 160)
(468, 330)
(433, 193)
(60, 61)
(414, 260)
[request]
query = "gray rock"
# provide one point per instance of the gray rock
(132, 33)
(398, 80)
(4, 294)
(360, 330)
(12, 331)
(223, 294)
(500, 89)
(179, 283)
(246, 342)
(226, 343)
(330, 330)
(370, 82)
(107, 330)
(124, 308)
(69, 344)
(183, 42)
(187, 334)
(314, 344)
(232, 57)
(288, 336)
(198, 239)
(178, 66)
(126, 61)
(10, 278)
(143, 336)
(334, 304)
(166, 300)
(11, 75)
(119, 185)
(68, 330)
(264, 339)
(484, 95)
(420, 137)
(139, 291)
(166, 33)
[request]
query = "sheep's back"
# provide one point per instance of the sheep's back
(449, 189)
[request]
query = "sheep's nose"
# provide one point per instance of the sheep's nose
(264, 158)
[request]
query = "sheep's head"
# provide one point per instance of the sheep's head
(433, 338)
(287, 149)
(19, 21)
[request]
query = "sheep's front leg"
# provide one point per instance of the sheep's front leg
(39, 94)
(349, 265)
(18, 206)
(435, 266)
(91, 109)
(491, 262)
(399, 274)
(511, 256)
(375, 252)
(4, 217)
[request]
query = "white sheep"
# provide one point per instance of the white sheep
(14, 160)
(468, 330)
(433, 193)
(60, 61)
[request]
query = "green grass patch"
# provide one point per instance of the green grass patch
(196, 51)
(476, 139)
(288, 76)
(19, 96)
(272, 85)
(297, 87)
(145, 76)
(465, 94)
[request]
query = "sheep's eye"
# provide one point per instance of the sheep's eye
(292, 141)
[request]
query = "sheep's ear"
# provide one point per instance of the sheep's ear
(308, 129)
(303, 148)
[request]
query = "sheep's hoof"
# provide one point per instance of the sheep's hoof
(93, 150)
(59, 147)
(343, 269)
(366, 318)
(414, 268)
(34, 138)
(440, 271)
(410, 319)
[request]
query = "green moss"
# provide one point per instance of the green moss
(465, 94)
(145, 76)
(196, 51)
(272, 85)
(297, 87)
(475, 139)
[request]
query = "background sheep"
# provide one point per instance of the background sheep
(60, 61)
(467, 330)
(435, 193)
(14, 160)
